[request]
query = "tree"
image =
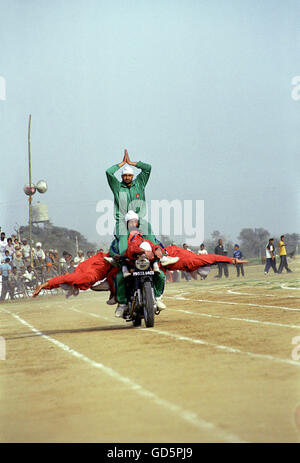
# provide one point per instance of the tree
(59, 238)
(253, 241)
(292, 240)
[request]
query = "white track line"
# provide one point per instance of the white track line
(283, 286)
(224, 348)
(247, 320)
(186, 415)
(230, 291)
(179, 298)
(258, 295)
(217, 346)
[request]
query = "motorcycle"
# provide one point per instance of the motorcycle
(140, 293)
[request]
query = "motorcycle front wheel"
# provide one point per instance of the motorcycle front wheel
(148, 305)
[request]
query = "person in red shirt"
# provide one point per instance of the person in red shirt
(85, 275)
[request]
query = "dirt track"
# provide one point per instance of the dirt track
(217, 366)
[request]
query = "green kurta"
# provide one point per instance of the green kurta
(129, 198)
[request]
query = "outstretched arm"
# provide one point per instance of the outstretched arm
(39, 288)
(239, 261)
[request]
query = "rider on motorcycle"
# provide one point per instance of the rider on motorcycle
(137, 245)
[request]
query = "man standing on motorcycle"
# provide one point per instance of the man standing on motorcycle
(129, 195)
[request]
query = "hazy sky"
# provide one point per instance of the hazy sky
(202, 90)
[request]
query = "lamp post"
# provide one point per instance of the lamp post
(30, 189)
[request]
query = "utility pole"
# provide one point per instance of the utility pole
(30, 189)
(30, 197)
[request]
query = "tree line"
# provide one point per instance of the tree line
(60, 238)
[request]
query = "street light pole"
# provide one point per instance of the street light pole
(30, 189)
(30, 197)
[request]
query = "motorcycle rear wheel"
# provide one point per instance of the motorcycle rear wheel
(148, 305)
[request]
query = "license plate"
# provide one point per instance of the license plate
(142, 273)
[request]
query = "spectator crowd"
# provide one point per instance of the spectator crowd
(20, 273)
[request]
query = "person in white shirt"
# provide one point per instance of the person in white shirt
(3, 244)
(26, 250)
(29, 277)
(270, 257)
(202, 249)
(39, 254)
(79, 258)
(203, 271)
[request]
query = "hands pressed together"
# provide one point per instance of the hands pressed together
(126, 160)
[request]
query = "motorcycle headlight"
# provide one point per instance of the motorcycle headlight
(142, 263)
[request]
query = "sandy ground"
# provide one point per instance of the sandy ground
(219, 365)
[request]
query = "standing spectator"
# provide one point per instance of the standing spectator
(16, 243)
(51, 269)
(219, 250)
(10, 247)
(15, 240)
(47, 258)
(72, 266)
(55, 257)
(186, 275)
(15, 283)
(26, 250)
(5, 270)
(3, 244)
(202, 249)
(237, 254)
(80, 257)
(29, 278)
(64, 262)
(39, 260)
(270, 257)
(203, 271)
(39, 255)
(282, 254)
(6, 256)
(18, 262)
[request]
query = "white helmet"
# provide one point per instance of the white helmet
(127, 170)
(131, 215)
(146, 246)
